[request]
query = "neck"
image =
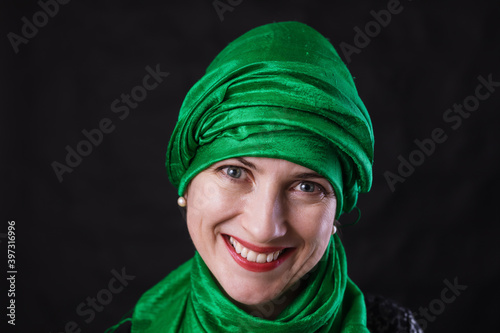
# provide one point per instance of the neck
(270, 310)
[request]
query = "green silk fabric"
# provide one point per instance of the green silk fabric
(189, 300)
(280, 91)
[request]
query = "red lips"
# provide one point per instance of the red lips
(254, 266)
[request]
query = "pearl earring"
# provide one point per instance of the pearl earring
(334, 231)
(181, 202)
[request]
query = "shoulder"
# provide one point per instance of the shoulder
(386, 316)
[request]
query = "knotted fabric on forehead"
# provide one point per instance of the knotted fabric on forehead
(280, 91)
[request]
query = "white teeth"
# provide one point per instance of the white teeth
(261, 258)
(252, 255)
(238, 248)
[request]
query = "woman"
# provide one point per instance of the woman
(271, 146)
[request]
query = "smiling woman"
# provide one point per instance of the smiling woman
(271, 146)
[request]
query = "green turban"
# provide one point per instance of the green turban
(280, 91)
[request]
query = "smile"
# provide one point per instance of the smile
(252, 255)
(254, 258)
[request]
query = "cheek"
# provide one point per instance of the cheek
(314, 219)
(200, 195)
(314, 224)
(208, 201)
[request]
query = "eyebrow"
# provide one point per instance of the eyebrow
(247, 163)
(308, 175)
(302, 175)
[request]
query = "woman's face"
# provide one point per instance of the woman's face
(259, 224)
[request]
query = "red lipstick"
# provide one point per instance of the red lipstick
(254, 266)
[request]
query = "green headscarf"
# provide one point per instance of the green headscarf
(280, 91)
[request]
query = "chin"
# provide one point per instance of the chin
(250, 294)
(251, 298)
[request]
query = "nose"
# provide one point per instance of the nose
(265, 214)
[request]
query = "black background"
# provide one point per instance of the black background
(118, 210)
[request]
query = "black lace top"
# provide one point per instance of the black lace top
(386, 316)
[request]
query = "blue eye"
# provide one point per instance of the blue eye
(234, 172)
(307, 187)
